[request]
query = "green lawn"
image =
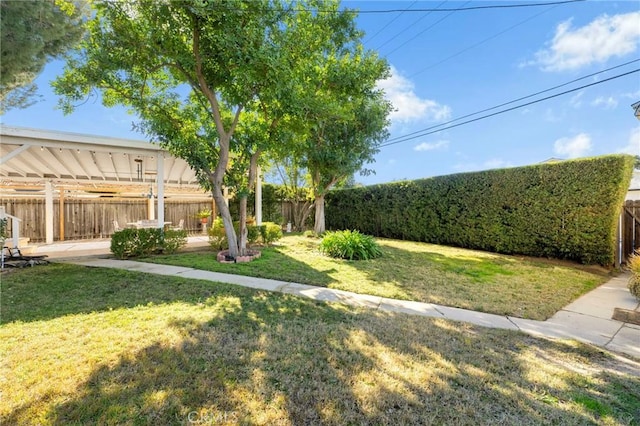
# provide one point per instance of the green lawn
(87, 346)
(481, 281)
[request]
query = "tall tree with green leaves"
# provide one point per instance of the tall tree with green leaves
(190, 68)
(347, 118)
(34, 32)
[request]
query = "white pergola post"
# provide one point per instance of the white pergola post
(160, 183)
(48, 212)
(258, 197)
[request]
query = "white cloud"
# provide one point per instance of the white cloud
(409, 107)
(577, 146)
(551, 116)
(596, 42)
(425, 146)
(633, 147)
(607, 103)
(576, 100)
(493, 163)
(632, 95)
(496, 163)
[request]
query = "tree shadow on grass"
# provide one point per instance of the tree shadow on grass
(274, 263)
(277, 359)
(27, 293)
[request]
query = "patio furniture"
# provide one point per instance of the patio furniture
(14, 258)
(179, 227)
(146, 223)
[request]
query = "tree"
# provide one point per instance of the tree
(339, 149)
(33, 32)
(347, 116)
(190, 68)
(295, 187)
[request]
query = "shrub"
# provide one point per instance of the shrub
(217, 236)
(566, 210)
(174, 239)
(634, 281)
(136, 242)
(270, 232)
(351, 245)
(253, 233)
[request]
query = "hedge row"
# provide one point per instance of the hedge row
(565, 210)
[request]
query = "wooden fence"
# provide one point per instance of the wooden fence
(91, 218)
(630, 224)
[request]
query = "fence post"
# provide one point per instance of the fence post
(48, 212)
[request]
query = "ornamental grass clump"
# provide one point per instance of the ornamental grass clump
(350, 245)
(634, 281)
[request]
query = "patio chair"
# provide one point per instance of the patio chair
(16, 258)
(116, 226)
(6, 261)
(180, 226)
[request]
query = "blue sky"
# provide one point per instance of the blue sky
(446, 65)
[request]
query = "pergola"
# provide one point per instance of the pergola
(36, 161)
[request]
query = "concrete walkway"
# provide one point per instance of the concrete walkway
(587, 319)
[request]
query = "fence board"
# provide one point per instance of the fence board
(93, 218)
(630, 228)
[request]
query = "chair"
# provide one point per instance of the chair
(179, 227)
(116, 226)
(21, 260)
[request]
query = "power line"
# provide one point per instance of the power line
(460, 9)
(516, 100)
(206, 3)
(496, 35)
(388, 23)
(405, 29)
(425, 30)
(428, 131)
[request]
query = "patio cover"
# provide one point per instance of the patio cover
(33, 161)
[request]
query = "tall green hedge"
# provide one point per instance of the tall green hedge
(565, 210)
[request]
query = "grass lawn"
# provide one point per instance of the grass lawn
(89, 346)
(469, 279)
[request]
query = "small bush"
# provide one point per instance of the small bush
(253, 233)
(137, 242)
(351, 245)
(270, 232)
(634, 281)
(174, 239)
(217, 235)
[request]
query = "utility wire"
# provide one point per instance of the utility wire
(427, 131)
(423, 31)
(473, 46)
(215, 3)
(460, 9)
(389, 23)
(516, 100)
(405, 29)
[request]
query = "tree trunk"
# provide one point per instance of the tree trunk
(225, 214)
(253, 172)
(319, 226)
(218, 196)
(301, 211)
(243, 226)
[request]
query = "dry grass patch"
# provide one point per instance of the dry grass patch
(143, 349)
(469, 279)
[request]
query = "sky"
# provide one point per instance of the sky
(449, 64)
